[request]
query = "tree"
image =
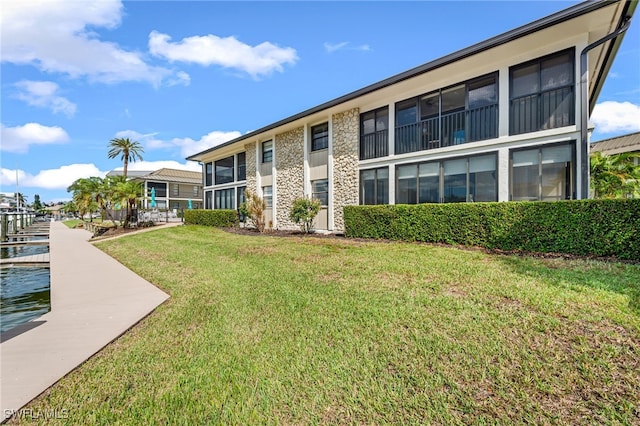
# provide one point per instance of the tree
(85, 195)
(127, 192)
(615, 175)
(127, 150)
(253, 208)
(37, 204)
(303, 211)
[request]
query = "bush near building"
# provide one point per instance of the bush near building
(222, 218)
(601, 228)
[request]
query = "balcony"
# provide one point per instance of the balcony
(449, 129)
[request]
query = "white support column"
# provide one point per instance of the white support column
(330, 223)
(503, 174)
(503, 102)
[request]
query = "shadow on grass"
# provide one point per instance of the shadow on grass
(619, 278)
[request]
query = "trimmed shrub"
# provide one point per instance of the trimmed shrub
(602, 228)
(223, 218)
(303, 211)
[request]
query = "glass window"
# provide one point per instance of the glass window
(429, 183)
(453, 99)
(542, 94)
(374, 134)
(320, 191)
(175, 190)
(455, 181)
(483, 93)
(207, 200)
(208, 174)
(242, 166)
(320, 137)
(482, 178)
(267, 151)
(225, 199)
(406, 113)
(430, 105)
(224, 170)
(545, 173)
(267, 194)
(374, 186)
(407, 184)
(196, 190)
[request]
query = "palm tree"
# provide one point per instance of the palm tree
(615, 175)
(127, 149)
(85, 195)
(127, 192)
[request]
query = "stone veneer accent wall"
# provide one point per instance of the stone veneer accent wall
(289, 158)
(345, 163)
(251, 166)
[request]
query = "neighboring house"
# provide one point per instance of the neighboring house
(504, 119)
(617, 145)
(174, 188)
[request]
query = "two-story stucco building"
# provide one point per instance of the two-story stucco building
(505, 119)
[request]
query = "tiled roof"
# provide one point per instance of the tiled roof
(174, 175)
(626, 143)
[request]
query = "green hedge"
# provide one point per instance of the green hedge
(608, 228)
(219, 218)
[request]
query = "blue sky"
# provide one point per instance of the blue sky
(180, 77)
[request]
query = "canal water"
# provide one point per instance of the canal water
(24, 295)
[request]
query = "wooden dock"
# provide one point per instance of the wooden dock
(39, 260)
(36, 260)
(24, 243)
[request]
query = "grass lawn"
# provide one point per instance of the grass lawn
(267, 330)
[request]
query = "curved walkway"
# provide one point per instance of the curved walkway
(94, 299)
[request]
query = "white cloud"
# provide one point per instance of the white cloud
(44, 94)
(345, 45)
(187, 146)
(227, 52)
(612, 117)
(59, 178)
(19, 139)
(55, 36)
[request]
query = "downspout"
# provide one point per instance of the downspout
(584, 105)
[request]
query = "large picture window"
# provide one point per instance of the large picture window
(225, 198)
(374, 134)
(374, 186)
(546, 173)
(224, 170)
(449, 181)
(455, 115)
(542, 93)
(320, 137)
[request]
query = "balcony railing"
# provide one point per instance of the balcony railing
(449, 129)
(546, 110)
(374, 145)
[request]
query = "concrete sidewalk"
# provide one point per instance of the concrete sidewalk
(94, 299)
